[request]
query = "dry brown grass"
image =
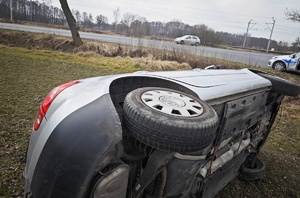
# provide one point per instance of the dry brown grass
(150, 64)
(291, 107)
(58, 43)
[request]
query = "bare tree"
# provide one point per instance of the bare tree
(296, 44)
(139, 27)
(87, 20)
(91, 17)
(72, 22)
(78, 16)
(49, 8)
(175, 28)
(85, 16)
(128, 18)
(100, 19)
(293, 15)
(116, 17)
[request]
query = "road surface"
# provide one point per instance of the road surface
(251, 58)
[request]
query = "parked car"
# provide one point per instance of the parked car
(153, 134)
(188, 39)
(285, 62)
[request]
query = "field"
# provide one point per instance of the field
(27, 75)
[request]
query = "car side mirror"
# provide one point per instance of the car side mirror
(213, 67)
(294, 55)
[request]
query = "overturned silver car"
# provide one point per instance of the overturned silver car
(153, 134)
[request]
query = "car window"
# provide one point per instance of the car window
(297, 55)
(194, 37)
(188, 37)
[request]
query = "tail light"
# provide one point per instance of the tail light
(47, 102)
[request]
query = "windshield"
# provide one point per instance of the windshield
(295, 55)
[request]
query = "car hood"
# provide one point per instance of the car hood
(179, 38)
(283, 57)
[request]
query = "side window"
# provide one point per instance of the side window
(188, 37)
(195, 38)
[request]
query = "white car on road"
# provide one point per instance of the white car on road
(188, 39)
(286, 62)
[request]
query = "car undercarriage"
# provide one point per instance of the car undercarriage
(155, 135)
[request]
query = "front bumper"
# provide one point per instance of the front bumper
(270, 63)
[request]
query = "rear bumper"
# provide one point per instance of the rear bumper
(73, 151)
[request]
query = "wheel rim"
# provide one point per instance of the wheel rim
(172, 103)
(279, 66)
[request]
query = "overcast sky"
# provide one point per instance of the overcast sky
(221, 15)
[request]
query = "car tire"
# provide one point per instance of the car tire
(181, 42)
(196, 44)
(169, 120)
(279, 66)
(257, 172)
(282, 86)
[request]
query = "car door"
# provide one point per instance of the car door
(188, 40)
(294, 61)
(195, 40)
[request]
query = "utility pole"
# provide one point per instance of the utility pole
(245, 39)
(11, 15)
(271, 32)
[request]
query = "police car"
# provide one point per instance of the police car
(285, 63)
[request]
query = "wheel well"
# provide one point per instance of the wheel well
(119, 88)
(279, 61)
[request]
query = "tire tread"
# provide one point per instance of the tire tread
(162, 132)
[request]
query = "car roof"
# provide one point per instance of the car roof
(189, 35)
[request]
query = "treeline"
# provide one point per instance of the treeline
(133, 25)
(27, 10)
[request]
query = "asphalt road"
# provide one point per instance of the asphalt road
(251, 58)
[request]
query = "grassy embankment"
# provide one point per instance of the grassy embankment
(28, 74)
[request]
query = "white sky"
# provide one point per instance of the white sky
(230, 16)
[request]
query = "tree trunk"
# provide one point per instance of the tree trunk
(71, 21)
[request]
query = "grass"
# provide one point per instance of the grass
(58, 43)
(27, 75)
(25, 78)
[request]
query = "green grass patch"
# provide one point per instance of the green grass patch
(25, 78)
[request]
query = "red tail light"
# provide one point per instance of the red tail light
(47, 102)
